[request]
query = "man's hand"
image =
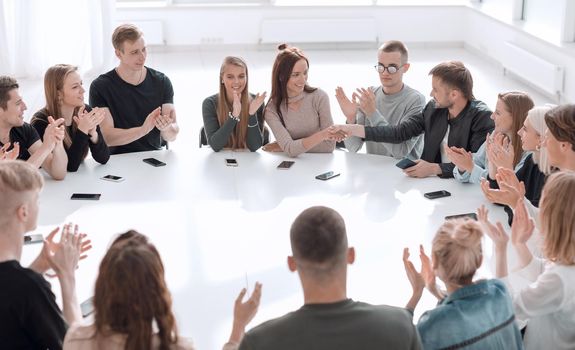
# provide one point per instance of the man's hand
(244, 312)
(423, 169)
(150, 122)
(164, 121)
(349, 108)
(256, 102)
(11, 154)
(63, 256)
(366, 99)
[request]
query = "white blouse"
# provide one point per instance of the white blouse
(547, 304)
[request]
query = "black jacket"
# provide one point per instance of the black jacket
(468, 130)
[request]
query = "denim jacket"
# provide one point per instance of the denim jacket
(478, 316)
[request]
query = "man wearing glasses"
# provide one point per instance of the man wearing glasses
(453, 118)
(388, 104)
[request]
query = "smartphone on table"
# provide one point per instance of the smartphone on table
(461, 216)
(86, 196)
(405, 163)
(327, 175)
(153, 162)
(113, 178)
(231, 162)
(286, 164)
(437, 194)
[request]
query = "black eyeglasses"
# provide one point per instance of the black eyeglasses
(391, 69)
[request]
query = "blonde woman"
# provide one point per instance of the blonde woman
(234, 118)
(548, 303)
(470, 314)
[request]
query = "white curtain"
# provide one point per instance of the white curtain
(36, 34)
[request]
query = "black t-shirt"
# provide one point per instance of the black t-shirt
(26, 135)
(130, 104)
(29, 316)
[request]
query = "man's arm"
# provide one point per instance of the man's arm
(412, 126)
(118, 137)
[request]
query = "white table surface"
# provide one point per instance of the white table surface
(217, 227)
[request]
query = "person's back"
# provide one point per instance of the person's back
(477, 316)
(342, 325)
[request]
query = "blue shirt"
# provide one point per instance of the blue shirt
(478, 316)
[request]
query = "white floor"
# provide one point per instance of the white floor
(195, 75)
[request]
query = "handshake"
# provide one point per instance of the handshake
(341, 132)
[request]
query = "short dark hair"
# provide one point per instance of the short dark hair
(125, 32)
(561, 123)
(7, 84)
(456, 75)
(319, 239)
(395, 46)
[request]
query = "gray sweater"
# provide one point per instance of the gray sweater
(391, 110)
(218, 136)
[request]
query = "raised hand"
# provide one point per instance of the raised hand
(349, 108)
(257, 102)
(522, 226)
(11, 154)
(164, 121)
(55, 132)
(495, 232)
(415, 278)
(63, 256)
(244, 312)
(88, 121)
(460, 157)
(150, 122)
(236, 105)
(499, 151)
(366, 100)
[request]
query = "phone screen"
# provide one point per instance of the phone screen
(231, 162)
(86, 196)
(154, 162)
(87, 307)
(461, 216)
(31, 239)
(405, 163)
(286, 164)
(326, 176)
(437, 194)
(113, 178)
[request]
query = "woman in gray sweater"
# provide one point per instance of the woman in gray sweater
(233, 118)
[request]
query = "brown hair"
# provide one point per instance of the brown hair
(561, 123)
(16, 177)
(319, 240)
(558, 218)
(54, 83)
(457, 250)
(395, 46)
(456, 75)
(238, 137)
(7, 84)
(281, 72)
(131, 294)
(125, 32)
(518, 105)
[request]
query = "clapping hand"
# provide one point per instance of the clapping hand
(88, 121)
(11, 154)
(349, 108)
(256, 102)
(500, 153)
(460, 157)
(522, 226)
(495, 232)
(366, 99)
(55, 132)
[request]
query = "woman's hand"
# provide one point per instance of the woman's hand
(257, 102)
(495, 232)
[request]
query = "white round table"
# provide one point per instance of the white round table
(219, 227)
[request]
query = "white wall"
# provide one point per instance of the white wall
(434, 25)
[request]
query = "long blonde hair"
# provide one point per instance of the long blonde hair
(536, 118)
(238, 137)
(558, 218)
(457, 250)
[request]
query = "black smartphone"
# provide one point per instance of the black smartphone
(31, 239)
(405, 163)
(113, 178)
(437, 194)
(87, 307)
(461, 216)
(286, 164)
(326, 176)
(86, 196)
(231, 162)
(153, 162)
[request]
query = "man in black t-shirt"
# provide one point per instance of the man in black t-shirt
(50, 154)
(329, 319)
(139, 101)
(29, 315)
